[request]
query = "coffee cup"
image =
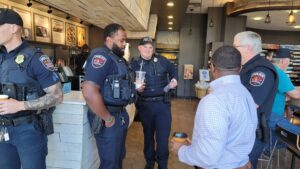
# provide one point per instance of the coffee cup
(180, 137)
(139, 78)
(3, 97)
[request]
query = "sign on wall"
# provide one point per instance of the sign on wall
(42, 28)
(58, 31)
(81, 36)
(188, 71)
(27, 22)
(70, 34)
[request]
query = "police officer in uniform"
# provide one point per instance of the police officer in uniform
(154, 102)
(27, 77)
(108, 88)
(259, 76)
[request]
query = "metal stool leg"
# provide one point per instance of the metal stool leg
(271, 155)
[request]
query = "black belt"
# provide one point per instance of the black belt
(152, 99)
(5, 121)
(116, 108)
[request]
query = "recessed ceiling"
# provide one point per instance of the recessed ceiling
(278, 20)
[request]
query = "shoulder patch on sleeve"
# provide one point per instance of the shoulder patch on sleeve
(257, 78)
(47, 63)
(98, 61)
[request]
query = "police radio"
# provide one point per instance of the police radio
(116, 89)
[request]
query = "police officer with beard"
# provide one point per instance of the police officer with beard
(107, 89)
(27, 76)
(153, 102)
(259, 76)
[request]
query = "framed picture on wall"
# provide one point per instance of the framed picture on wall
(188, 71)
(58, 31)
(3, 5)
(70, 34)
(27, 22)
(81, 36)
(42, 28)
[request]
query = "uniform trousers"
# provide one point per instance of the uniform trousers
(27, 147)
(111, 141)
(156, 121)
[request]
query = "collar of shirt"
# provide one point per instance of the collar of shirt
(252, 60)
(224, 80)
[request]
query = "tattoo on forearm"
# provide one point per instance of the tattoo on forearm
(52, 97)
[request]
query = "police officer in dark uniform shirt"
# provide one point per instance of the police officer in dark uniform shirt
(108, 87)
(27, 77)
(259, 76)
(154, 102)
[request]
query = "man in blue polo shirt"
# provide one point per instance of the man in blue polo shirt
(281, 60)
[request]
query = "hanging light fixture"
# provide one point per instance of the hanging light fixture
(191, 30)
(29, 4)
(291, 18)
(211, 22)
(268, 17)
(49, 10)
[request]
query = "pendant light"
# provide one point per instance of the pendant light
(211, 22)
(268, 17)
(291, 18)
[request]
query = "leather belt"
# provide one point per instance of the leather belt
(116, 108)
(246, 166)
(152, 99)
(5, 121)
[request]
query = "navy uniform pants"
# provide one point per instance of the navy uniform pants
(27, 147)
(111, 141)
(156, 120)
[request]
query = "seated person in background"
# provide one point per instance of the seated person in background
(281, 60)
(226, 119)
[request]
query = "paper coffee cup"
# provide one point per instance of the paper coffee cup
(180, 137)
(3, 97)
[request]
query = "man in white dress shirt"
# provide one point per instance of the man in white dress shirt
(226, 119)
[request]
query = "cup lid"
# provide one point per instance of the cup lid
(180, 135)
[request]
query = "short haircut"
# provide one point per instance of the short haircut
(250, 38)
(111, 29)
(227, 58)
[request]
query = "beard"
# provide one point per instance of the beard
(117, 51)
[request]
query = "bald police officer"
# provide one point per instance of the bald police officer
(259, 76)
(108, 88)
(28, 77)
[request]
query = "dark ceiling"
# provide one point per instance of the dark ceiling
(160, 8)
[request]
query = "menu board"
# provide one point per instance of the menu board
(81, 36)
(58, 31)
(27, 22)
(42, 28)
(70, 34)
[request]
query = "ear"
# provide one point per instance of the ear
(14, 28)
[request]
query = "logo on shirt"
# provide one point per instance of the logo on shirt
(98, 61)
(47, 63)
(257, 78)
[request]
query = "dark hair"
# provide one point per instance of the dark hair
(227, 58)
(111, 29)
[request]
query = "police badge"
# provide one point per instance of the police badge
(19, 59)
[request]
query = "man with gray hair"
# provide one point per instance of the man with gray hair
(259, 76)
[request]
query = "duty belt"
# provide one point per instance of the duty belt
(152, 99)
(6, 121)
(116, 108)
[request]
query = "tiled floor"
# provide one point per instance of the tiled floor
(183, 112)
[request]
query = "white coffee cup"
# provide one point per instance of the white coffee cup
(3, 97)
(139, 78)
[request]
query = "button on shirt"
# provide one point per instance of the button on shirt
(224, 130)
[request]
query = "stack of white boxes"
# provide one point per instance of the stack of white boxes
(72, 145)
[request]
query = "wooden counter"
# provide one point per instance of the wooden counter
(72, 145)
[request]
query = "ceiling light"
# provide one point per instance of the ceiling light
(291, 18)
(268, 17)
(297, 27)
(294, 11)
(170, 28)
(170, 23)
(68, 17)
(211, 23)
(257, 18)
(81, 21)
(170, 16)
(29, 4)
(170, 4)
(49, 10)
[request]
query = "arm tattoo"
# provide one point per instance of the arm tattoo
(53, 96)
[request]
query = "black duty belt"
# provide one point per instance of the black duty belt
(8, 121)
(152, 99)
(116, 108)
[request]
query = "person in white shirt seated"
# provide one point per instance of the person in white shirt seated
(226, 119)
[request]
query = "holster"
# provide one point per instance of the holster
(45, 120)
(97, 125)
